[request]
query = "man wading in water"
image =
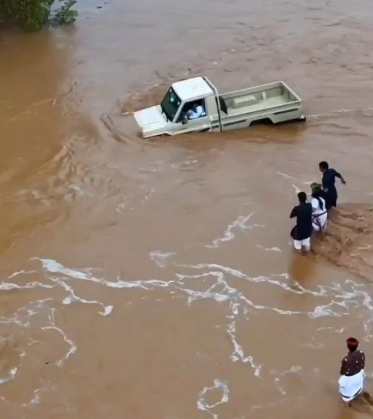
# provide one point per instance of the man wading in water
(351, 382)
(328, 184)
(301, 233)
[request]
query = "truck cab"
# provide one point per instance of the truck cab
(187, 106)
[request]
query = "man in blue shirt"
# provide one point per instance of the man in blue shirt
(328, 184)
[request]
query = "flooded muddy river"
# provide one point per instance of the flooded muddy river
(158, 282)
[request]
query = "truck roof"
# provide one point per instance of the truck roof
(192, 88)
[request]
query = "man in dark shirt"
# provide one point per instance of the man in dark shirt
(351, 382)
(301, 233)
(328, 184)
(354, 362)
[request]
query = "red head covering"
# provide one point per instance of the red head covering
(352, 342)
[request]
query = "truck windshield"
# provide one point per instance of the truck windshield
(170, 104)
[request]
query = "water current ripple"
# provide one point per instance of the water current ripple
(339, 299)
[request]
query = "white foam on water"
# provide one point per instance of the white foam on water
(296, 189)
(203, 405)
(23, 318)
(71, 344)
(228, 235)
(221, 291)
(17, 273)
(238, 352)
(160, 258)
(341, 298)
(11, 376)
(269, 249)
(186, 165)
(308, 182)
(285, 175)
(280, 375)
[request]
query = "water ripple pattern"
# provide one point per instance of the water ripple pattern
(339, 299)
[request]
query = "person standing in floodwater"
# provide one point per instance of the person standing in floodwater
(351, 381)
(301, 233)
(328, 184)
(319, 212)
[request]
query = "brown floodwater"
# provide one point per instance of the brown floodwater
(158, 281)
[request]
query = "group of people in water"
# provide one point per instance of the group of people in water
(313, 216)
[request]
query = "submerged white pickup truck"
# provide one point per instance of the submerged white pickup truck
(194, 105)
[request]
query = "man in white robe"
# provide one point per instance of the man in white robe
(319, 211)
(351, 381)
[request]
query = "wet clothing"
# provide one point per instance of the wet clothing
(353, 363)
(350, 387)
(303, 244)
(351, 381)
(303, 214)
(319, 213)
(328, 184)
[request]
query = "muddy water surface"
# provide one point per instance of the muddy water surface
(158, 282)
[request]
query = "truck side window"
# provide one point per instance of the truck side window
(194, 110)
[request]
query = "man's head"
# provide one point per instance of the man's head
(302, 196)
(323, 165)
(316, 187)
(352, 344)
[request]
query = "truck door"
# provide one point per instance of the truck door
(193, 117)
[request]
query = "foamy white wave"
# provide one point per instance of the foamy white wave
(23, 318)
(11, 376)
(160, 258)
(203, 405)
(279, 375)
(322, 291)
(53, 326)
(269, 249)
(341, 297)
(228, 235)
(308, 182)
(296, 189)
(184, 166)
(238, 352)
(285, 175)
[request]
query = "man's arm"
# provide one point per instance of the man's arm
(343, 367)
(363, 359)
(339, 176)
(293, 212)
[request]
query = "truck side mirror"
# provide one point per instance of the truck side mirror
(184, 118)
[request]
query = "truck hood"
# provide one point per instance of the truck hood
(151, 121)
